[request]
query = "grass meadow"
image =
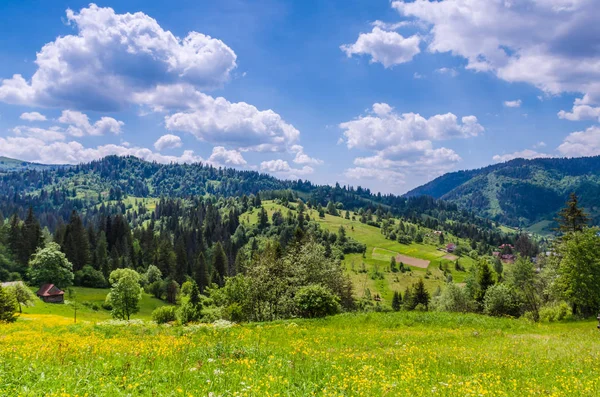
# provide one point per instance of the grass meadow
(375, 354)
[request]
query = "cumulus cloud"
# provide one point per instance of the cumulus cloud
(581, 112)
(524, 154)
(79, 124)
(386, 47)
(403, 143)
(386, 128)
(581, 143)
(282, 168)
(549, 44)
(222, 156)
(112, 57)
(36, 150)
(303, 158)
(389, 176)
(32, 116)
(218, 121)
(513, 104)
(46, 135)
(167, 141)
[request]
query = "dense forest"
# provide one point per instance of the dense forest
(521, 192)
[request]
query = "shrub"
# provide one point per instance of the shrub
(316, 301)
(453, 299)
(188, 313)
(555, 312)
(164, 314)
(90, 277)
(7, 306)
(501, 300)
(156, 289)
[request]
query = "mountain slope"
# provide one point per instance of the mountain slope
(8, 165)
(520, 192)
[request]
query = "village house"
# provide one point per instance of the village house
(450, 247)
(50, 293)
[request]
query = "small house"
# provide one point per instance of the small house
(50, 293)
(450, 247)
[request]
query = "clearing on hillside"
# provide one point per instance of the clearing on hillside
(408, 260)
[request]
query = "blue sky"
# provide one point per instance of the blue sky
(386, 95)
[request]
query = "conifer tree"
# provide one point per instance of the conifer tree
(219, 263)
(397, 301)
(572, 218)
(201, 272)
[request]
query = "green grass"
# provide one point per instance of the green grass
(376, 256)
(376, 354)
(85, 312)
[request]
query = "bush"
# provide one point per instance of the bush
(188, 313)
(90, 277)
(501, 300)
(316, 301)
(156, 289)
(164, 314)
(555, 312)
(453, 299)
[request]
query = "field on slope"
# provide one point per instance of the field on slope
(378, 255)
(89, 307)
(376, 354)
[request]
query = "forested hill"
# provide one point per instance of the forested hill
(55, 192)
(521, 192)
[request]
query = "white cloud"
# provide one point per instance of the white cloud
(447, 71)
(403, 143)
(549, 44)
(581, 112)
(581, 143)
(282, 168)
(222, 156)
(33, 116)
(303, 158)
(524, 154)
(388, 48)
(540, 144)
(36, 150)
(79, 124)
(386, 128)
(112, 57)
(218, 121)
(388, 176)
(417, 76)
(513, 104)
(167, 141)
(42, 134)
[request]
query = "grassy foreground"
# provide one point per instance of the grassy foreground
(375, 354)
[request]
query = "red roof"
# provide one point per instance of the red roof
(49, 290)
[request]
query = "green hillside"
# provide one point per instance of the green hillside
(524, 193)
(372, 272)
(8, 165)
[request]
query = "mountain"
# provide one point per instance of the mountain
(522, 193)
(54, 192)
(8, 165)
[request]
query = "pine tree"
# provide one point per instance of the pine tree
(420, 294)
(393, 267)
(101, 256)
(76, 245)
(181, 269)
(201, 272)
(572, 218)
(219, 263)
(485, 279)
(397, 301)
